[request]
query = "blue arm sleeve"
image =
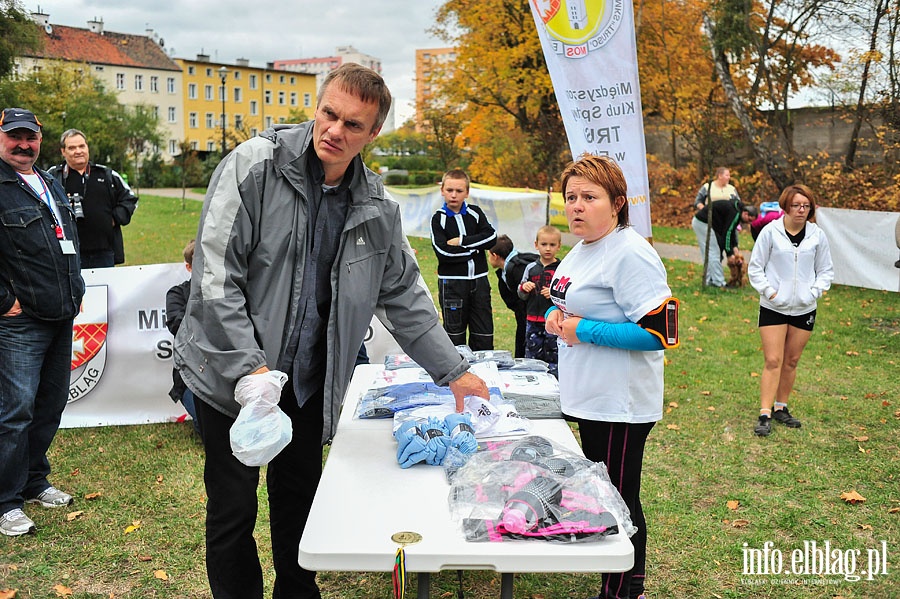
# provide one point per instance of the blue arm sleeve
(626, 335)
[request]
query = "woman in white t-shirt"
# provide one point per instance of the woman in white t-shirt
(612, 305)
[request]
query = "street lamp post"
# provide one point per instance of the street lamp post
(223, 76)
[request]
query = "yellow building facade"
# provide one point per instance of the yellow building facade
(255, 98)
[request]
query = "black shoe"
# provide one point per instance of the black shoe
(763, 427)
(785, 418)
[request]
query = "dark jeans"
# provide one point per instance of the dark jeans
(466, 304)
(620, 446)
(541, 345)
(232, 562)
(98, 259)
(36, 359)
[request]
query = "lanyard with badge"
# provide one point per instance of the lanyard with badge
(66, 245)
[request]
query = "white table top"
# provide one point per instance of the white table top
(365, 497)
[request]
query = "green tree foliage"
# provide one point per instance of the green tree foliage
(18, 33)
(65, 96)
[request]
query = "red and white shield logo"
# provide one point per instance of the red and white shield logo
(89, 332)
(546, 8)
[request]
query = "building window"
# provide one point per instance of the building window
(171, 114)
(120, 81)
(138, 83)
(254, 108)
(173, 147)
(281, 98)
(237, 95)
(238, 121)
(307, 99)
(281, 119)
(208, 72)
(293, 98)
(252, 81)
(170, 85)
(210, 146)
(155, 110)
(293, 80)
(192, 120)
(195, 146)
(192, 91)
(254, 131)
(208, 92)
(210, 124)
(268, 121)
(191, 70)
(237, 75)
(268, 96)
(98, 68)
(268, 77)
(281, 79)
(154, 84)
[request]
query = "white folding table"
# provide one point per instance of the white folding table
(365, 497)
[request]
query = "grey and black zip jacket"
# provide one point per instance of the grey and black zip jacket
(248, 268)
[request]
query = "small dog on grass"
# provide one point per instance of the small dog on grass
(736, 267)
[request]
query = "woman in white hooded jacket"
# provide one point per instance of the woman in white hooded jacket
(791, 268)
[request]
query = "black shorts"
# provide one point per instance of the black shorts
(769, 318)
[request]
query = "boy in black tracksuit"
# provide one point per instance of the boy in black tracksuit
(535, 291)
(460, 233)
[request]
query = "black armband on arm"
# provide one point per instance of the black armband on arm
(663, 322)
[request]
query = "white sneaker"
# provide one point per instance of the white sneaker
(52, 497)
(14, 523)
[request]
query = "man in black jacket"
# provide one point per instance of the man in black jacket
(102, 201)
(40, 295)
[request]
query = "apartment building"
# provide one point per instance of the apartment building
(136, 67)
(237, 101)
(322, 65)
(426, 61)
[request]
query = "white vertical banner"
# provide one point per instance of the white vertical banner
(590, 49)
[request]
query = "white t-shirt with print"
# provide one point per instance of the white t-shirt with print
(616, 279)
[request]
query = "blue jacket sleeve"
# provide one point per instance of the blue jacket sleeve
(626, 335)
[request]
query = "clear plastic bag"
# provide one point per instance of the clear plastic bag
(261, 429)
(531, 488)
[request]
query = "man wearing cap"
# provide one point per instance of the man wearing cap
(102, 200)
(40, 294)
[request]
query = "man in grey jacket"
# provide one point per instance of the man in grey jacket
(298, 246)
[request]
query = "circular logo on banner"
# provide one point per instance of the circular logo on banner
(580, 25)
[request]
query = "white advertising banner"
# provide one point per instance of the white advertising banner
(590, 50)
(863, 247)
(122, 351)
(518, 214)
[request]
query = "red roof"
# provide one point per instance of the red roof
(107, 48)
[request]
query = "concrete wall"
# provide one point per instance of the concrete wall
(815, 130)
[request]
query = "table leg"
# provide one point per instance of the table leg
(506, 585)
(424, 586)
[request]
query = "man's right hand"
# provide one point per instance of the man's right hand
(15, 310)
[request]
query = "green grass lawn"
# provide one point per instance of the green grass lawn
(711, 489)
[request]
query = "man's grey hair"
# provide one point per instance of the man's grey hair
(362, 82)
(70, 133)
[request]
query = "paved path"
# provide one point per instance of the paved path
(687, 253)
(173, 192)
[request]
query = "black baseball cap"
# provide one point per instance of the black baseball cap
(18, 118)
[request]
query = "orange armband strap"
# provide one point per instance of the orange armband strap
(663, 322)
